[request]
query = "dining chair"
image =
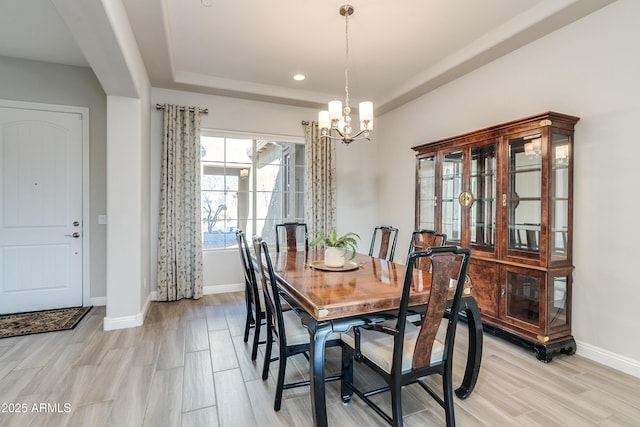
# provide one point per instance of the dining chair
(292, 336)
(290, 232)
(387, 235)
(404, 353)
(253, 297)
(421, 240)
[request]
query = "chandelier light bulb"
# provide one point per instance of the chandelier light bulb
(335, 110)
(324, 122)
(366, 115)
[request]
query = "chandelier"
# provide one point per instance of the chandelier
(336, 122)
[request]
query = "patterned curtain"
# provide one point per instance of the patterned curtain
(320, 179)
(180, 236)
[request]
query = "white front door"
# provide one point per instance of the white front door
(41, 211)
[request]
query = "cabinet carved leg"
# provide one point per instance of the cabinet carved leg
(543, 352)
(546, 352)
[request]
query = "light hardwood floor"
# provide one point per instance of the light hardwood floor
(188, 366)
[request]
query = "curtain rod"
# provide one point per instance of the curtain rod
(202, 110)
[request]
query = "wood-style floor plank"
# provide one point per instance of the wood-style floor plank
(198, 391)
(197, 337)
(201, 417)
(261, 398)
(234, 406)
(189, 366)
(223, 354)
(165, 399)
(171, 353)
(130, 403)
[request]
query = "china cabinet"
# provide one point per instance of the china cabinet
(506, 193)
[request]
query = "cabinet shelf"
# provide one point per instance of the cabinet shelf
(482, 175)
(524, 170)
(528, 224)
(524, 199)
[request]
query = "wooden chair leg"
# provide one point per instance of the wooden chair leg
(396, 404)
(267, 354)
(347, 374)
(448, 399)
(248, 321)
(280, 383)
(256, 337)
(247, 326)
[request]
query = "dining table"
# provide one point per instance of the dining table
(366, 290)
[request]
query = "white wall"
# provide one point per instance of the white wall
(358, 178)
(222, 271)
(34, 81)
(102, 31)
(588, 69)
(124, 204)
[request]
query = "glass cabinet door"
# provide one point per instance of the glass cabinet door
(523, 198)
(427, 201)
(452, 168)
(522, 299)
(482, 216)
(560, 161)
(557, 303)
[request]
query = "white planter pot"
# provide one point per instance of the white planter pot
(334, 257)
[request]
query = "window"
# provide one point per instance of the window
(249, 184)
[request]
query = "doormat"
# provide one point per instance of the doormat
(37, 322)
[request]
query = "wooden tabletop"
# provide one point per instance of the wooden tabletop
(376, 285)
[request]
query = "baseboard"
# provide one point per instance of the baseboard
(98, 301)
(223, 289)
(213, 289)
(145, 307)
(612, 360)
(124, 322)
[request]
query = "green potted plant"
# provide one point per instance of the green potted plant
(336, 247)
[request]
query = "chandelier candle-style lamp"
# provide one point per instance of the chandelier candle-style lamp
(336, 122)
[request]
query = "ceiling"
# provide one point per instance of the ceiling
(251, 49)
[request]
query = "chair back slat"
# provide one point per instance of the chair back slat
(438, 295)
(384, 243)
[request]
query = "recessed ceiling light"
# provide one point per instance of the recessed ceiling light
(206, 2)
(299, 77)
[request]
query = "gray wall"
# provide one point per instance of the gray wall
(588, 69)
(32, 81)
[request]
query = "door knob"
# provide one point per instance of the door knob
(74, 235)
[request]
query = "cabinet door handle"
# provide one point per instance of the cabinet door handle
(504, 200)
(503, 292)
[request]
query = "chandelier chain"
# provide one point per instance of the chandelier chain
(336, 123)
(346, 60)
